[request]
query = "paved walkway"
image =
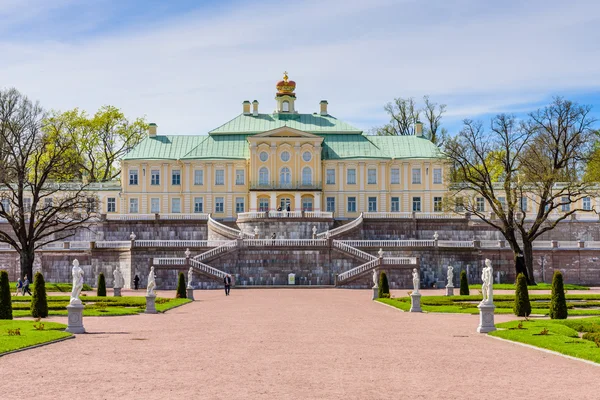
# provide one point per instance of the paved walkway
(291, 344)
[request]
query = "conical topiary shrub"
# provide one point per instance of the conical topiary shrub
(181, 293)
(5, 300)
(101, 292)
(384, 287)
(39, 302)
(464, 284)
(558, 304)
(522, 307)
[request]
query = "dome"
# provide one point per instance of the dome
(285, 86)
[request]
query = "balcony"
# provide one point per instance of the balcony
(275, 185)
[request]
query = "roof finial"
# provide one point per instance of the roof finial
(285, 76)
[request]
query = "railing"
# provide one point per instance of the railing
(399, 260)
(114, 245)
(224, 248)
(387, 215)
(251, 215)
(341, 229)
(227, 231)
(353, 250)
(285, 214)
(344, 276)
(285, 242)
(152, 217)
(169, 261)
(455, 243)
(179, 243)
(389, 243)
(178, 216)
(130, 217)
(79, 245)
(276, 185)
(318, 214)
(207, 269)
(438, 215)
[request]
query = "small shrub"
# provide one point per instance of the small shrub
(558, 303)
(5, 299)
(14, 332)
(38, 327)
(384, 287)
(592, 336)
(522, 307)
(544, 332)
(464, 284)
(101, 292)
(181, 293)
(39, 302)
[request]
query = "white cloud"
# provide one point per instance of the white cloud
(190, 74)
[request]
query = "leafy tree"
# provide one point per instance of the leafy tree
(522, 172)
(39, 203)
(522, 307)
(39, 302)
(384, 287)
(181, 288)
(101, 291)
(464, 284)
(558, 302)
(5, 299)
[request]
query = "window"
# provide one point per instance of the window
(285, 106)
(176, 177)
(263, 156)
(437, 176)
(263, 176)
(372, 176)
(219, 206)
(523, 203)
(330, 204)
(133, 176)
(263, 204)
(239, 205)
(285, 156)
(566, 205)
(395, 176)
(372, 204)
(219, 177)
(198, 204)
(460, 205)
(198, 177)
(307, 204)
(330, 176)
(239, 177)
(285, 177)
(306, 156)
(48, 203)
(176, 205)
(395, 204)
(155, 177)
(27, 204)
(416, 176)
(351, 176)
(416, 204)
(351, 204)
(502, 202)
(155, 205)
(306, 176)
(6, 205)
(89, 207)
(480, 205)
(133, 206)
(437, 204)
(587, 203)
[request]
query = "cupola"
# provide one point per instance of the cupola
(285, 96)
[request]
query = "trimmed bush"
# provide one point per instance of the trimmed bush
(558, 303)
(384, 287)
(5, 300)
(181, 293)
(39, 302)
(101, 291)
(464, 284)
(522, 306)
(593, 336)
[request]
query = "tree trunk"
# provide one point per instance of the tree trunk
(26, 260)
(528, 255)
(520, 267)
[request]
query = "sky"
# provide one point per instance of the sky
(188, 65)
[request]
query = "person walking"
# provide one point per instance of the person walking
(227, 282)
(136, 282)
(19, 287)
(26, 286)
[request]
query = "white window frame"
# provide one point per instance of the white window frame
(438, 204)
(353, 175)
(111, 201)
(240, 177)
(198, 204)
(134, 206)
(263, 176)
(372, 204)
(219, 177)
(198, 177)
(219, 201)
(155, 205)
(306, 176)
(372, 176)
(330, 201)
(176, 177)
(176, 205)
(587, 203)
(154, 173)
(351, 200)
(395, 204)
(437, 176)
(134, 178)
(416, 176)
(238, 201)
(416, 203)
(330, 176)
(395, 176)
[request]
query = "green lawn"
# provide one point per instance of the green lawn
(29, 336)
(52, 287)
(558, 335)
(539, 286)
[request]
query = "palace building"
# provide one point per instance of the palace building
(282, 160)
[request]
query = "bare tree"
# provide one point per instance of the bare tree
(36, 202)
(403, 113)
(433, 113)
(524, 172)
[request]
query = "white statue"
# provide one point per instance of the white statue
(435, 235)
(314, 230)
(151, 283)
(487, 288)
(375, 279)
(118, 280)
(77, 283)
(132, 236)
(380, 253)
(187, 253)
(450, 276)
(416, 281)
(190, 274)
(256, 231)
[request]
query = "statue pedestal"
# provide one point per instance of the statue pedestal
(415, 302)
(150, 309)
(449, 290)
(375, 293)
(75, 318)
(190, 294)
(117, 292)
(486, 318)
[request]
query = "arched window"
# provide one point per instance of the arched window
(285, 177)
(306, 176)
(285, 106)
(263, 176)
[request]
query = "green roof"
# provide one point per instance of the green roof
(337, 147)
(312, 123)
(397, 147)
(220, 147)
(164, 147)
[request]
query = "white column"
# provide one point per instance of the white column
(428, 174)
(405, 201)
(229, 176)
(186, 197)
(341, 177)
(208, 180)
(165, 206)
(317, 205)
(297, 201)
(253, 201)
(273, 205)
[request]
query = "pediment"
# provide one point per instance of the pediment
(286, 131)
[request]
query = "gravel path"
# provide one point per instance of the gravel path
(291, 344)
